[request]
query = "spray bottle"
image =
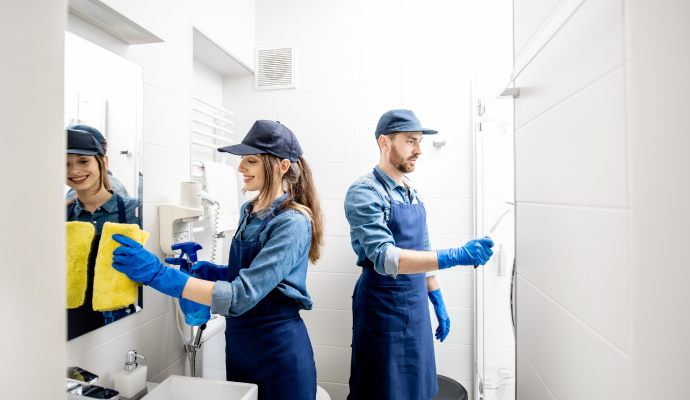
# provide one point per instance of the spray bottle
(195, 314)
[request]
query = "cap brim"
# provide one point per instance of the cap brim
(82, 152)
(240, 150)
(428, 132)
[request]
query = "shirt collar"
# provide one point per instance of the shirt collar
(263, 215)
(392, 184)
(109, 206)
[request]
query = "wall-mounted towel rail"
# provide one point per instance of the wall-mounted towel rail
(216, 117)
(212, 125)
(212, 136)
(208, 103)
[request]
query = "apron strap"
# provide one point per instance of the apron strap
(383, 183)
(70, 208)
(122, 213)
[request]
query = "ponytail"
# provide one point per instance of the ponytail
(299, 184)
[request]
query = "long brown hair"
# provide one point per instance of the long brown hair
(298, 183)
(103, 180)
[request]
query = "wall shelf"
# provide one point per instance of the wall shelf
(112, 22)
(213, 55)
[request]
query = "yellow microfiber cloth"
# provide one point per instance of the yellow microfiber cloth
(79, 238)
(112, 289)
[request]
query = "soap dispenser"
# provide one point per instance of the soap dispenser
(131, 381)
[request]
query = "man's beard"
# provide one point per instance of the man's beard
(398, 161)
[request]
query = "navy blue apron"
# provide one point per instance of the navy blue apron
(84, 319)
(268, 345)
(392, 342)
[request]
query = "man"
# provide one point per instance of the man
(392, 343)
(115, 184)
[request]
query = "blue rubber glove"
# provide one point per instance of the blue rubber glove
(133, 260)
(210, 272)
(441, 314)
(474, 252)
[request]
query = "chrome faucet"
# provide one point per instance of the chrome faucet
(80, 383)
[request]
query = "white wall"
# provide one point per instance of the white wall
(659, 58)
(356, 60)
(32, 289)
(601, 314)
(167, 74)
(230, 22)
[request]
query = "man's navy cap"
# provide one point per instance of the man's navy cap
(400, 121)
(268, 137)
(81, 142)
(89, 129)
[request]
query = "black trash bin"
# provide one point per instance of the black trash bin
(449, 389)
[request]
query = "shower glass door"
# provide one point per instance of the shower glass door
(495, 216)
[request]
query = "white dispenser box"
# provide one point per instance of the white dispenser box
(131, 381)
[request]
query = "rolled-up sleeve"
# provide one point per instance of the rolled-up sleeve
(364, 212)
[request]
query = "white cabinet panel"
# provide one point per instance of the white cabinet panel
(579, 258)
(573, 360)
(587, 47)
(531, 386)
(529, 15)
(576, 152)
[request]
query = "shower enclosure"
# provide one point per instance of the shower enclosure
(494, 199)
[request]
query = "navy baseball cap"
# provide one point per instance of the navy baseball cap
(93, 131)
(81, 142)
(268, 137)
(400, 121)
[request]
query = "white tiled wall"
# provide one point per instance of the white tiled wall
(573, 231)
(167, 75)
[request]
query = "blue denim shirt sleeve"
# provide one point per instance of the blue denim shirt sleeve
(281, 263)
(364, 210)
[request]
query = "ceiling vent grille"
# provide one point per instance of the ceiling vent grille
(275, 67)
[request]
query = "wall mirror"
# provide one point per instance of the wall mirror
(104, 91)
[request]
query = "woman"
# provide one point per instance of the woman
(96, 203)
(264, 286)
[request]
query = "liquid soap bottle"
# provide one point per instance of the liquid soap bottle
(131, 381)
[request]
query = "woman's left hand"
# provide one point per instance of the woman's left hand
(133, 260)
(140, 265)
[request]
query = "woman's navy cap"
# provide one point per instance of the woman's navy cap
(400, 121)
(268, 137)
(81, 142)
(90, 129)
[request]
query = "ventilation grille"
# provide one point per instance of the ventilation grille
(275, 68)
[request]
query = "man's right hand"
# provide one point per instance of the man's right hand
(474, 252)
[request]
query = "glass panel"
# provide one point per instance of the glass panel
(494, 177)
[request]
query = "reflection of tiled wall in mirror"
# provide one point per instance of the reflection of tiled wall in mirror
(101, 91)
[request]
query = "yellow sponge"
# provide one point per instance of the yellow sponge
(112, 289)
(79, 238)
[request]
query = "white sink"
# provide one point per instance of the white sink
(187, 388)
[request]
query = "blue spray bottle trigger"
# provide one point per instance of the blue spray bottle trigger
(195, 314)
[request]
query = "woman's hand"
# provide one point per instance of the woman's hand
(210, 272)
(140, 265)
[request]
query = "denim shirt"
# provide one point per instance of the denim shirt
(281, 264)
(106, 213)
(368, 210)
